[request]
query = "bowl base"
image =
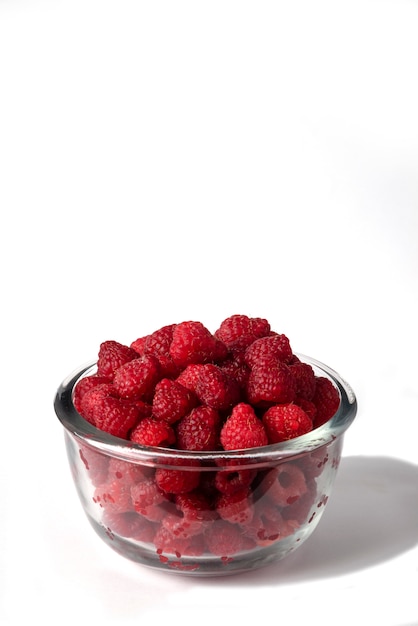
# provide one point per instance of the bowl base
(205, 565)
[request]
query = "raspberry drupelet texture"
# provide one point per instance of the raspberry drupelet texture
(326, 399)
(153, 432)
(270, 382)
(216, 388)
(199, 429)
(286, 421)
(267, 348)
(137, 378)
(193, 343)
(242, 328)
(172, 400)
(112, 355)
(243, 429)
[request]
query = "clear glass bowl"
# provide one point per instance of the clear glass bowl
(246, 509)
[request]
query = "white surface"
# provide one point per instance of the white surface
(163, 161)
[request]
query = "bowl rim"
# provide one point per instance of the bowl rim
(89, 435)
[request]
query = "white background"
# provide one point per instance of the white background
(171, 160)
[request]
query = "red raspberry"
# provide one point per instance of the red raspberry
(195, 506)
(137, 378)
(139, 344)
(189, 377)
(152, 432)
(236, 508)
(305, 379)
(176, 481)
(285, 484)
(268, 348)
(193, 512)
(215, 388)
(267, 524)
(158, 344)
(225, 539)
(308, 406)
(159, 341)
(270, 382)
(172, 401)
(112, 355)
(168, 543)
(298, 511)
(114, 496)
(129, 525)
(199, 429)
(326, 400)
(194, 343)
(148, 500)
(89, 399)
(115, 416)
(235, 327)
(231, 481)
(127, 472)
(243, 429)
(84, 385)
(237, 368)
(95, 463)
(285, 421)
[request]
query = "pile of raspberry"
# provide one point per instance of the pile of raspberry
(184, 387)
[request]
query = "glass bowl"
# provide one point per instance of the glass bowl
(243, 509)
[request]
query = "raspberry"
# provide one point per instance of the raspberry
(152, 432)
(237, 368)
(299, 510)
(235, 327)
(95, 463)
(199, 429)
(129, 525)
(267, 524)
(177, 481)
(189, 377)
(127, 472)
(84, 385)
(194, 343)
(285, 421)
(285, 484)
(137, 378)
(326, 400)
(270, 382)
(216, 388)
(308, 406)
(267, 348)
(305, 380)
(236, 508)
(114, 496)
(195, 506)
(138, 345)
(89, 398)
(172, 401)
(168, 543)
(112, 355)
(225, 539)
(159, 341)
(158, 345)
(148, 500)
(115, 416)
(243, 429)
(193, 512)
(231, 481)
